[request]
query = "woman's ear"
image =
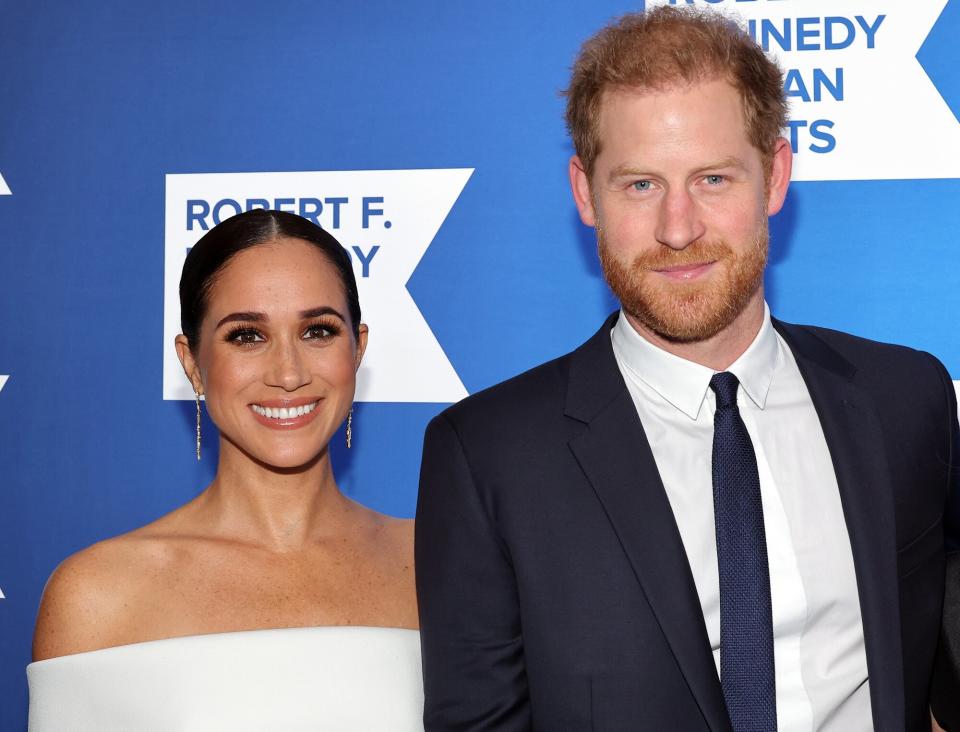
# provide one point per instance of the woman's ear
(362, 334)
(189, 363)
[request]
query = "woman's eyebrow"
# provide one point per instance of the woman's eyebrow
(322, 310)
(241, 317)
(252, 317)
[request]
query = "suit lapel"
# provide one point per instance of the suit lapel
(616, 458)
(855, 441)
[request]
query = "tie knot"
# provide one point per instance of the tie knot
(725, 385)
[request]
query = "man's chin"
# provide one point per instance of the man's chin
(675, 330)
(690, 310)
(691, 319)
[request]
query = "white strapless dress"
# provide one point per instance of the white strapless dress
(337, 678)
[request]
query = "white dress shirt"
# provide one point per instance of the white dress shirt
(821, 664)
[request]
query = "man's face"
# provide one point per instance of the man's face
(680, 201)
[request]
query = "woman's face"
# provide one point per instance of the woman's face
(277, 359)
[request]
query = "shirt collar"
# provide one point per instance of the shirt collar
(683, 383)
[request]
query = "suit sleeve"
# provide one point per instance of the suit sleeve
(473, 663)
(946, 677)
(952, 509)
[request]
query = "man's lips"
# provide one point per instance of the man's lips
(685, 271)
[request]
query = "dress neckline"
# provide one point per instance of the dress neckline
(228, 635)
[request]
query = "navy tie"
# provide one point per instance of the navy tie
(746, 622)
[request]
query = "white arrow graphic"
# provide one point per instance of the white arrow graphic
(4, 188)
(386, 219)
(852, 68)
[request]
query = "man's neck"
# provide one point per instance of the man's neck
(720, 350)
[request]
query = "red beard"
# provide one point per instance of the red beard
(687, 312)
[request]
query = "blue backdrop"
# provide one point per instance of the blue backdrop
(99, 102)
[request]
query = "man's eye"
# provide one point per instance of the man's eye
(642, 185)
(715, 180)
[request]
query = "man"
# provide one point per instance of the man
(702, 518)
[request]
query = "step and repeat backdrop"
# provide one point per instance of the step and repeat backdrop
(428, 137)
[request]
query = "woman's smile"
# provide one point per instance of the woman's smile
(285, 413)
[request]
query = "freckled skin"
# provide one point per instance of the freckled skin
(272, 542)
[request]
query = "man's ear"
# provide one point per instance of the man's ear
(189, 363)
(780, 170)
(580, 186)
(362, 335)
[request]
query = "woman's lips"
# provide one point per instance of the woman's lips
(686, 271)
(285, 414)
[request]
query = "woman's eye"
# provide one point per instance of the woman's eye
(319, 332)
(244, 335)
(642, 185)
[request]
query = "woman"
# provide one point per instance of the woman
(271, 601)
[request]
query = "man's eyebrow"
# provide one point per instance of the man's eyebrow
(627, 171)
(242, 317)
(631, 171)
(729, 162)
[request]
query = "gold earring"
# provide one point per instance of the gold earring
(349, 427)
(198, 424)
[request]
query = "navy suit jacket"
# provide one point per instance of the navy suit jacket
(554, 589)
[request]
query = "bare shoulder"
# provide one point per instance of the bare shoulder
(392, 550)
(401, 534)
(389, 543)
(393, 536)
(91, 598)
(400, 530)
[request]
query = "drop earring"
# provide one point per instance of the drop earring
(198, 424)
(349, 427)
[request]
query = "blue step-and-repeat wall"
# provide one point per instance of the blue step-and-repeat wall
(428, 137)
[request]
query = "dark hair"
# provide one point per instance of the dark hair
(230, 237)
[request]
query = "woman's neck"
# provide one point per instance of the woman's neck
(282, 510)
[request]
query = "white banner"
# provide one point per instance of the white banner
(385, 219)
(4, 188)
(862, 106)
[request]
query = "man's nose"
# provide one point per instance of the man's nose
(678, 222)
